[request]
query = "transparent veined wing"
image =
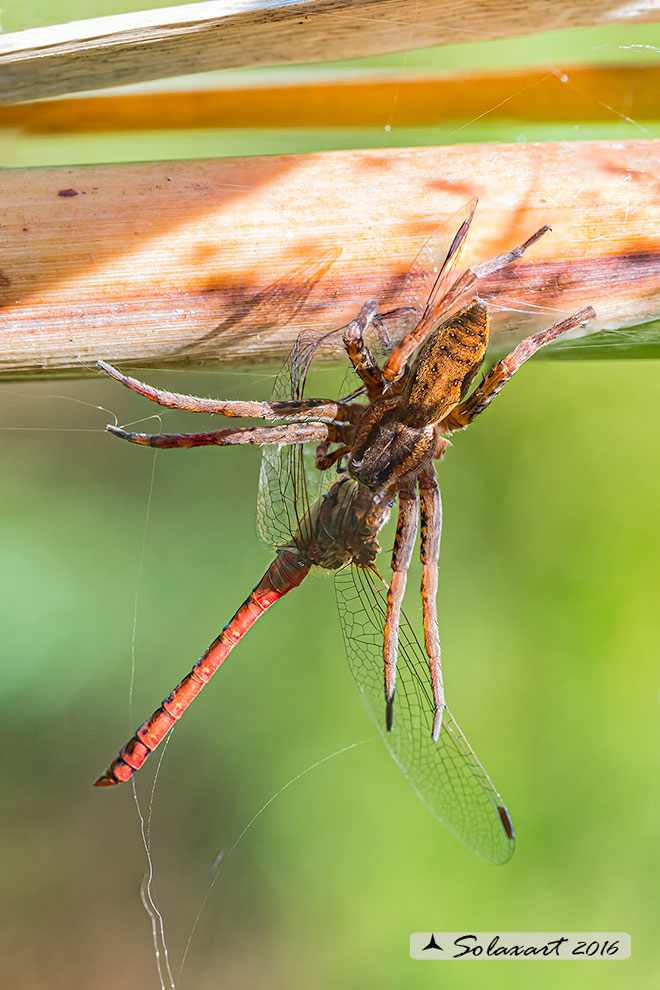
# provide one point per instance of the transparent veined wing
(447, 775)
(262, 313)
(431, 285)
(430, 274)
(289, 482)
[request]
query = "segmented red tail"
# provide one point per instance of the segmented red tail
(286, 572)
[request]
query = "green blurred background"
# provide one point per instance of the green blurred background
(548, 600)
(549, 605)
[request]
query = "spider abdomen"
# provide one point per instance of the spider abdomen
(446, 365)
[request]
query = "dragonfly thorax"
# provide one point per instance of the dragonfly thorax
(342, 527)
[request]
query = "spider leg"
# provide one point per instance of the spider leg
(404, 543)
(319, 409)
(360, 355)
(294, 433)
(431, 531)
(441, 307)
(463, 414)
(502, 260)
(324, 460)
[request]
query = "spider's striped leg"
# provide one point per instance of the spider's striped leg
(431, 531)
(480, 399)
(502, 260)
(294, 433)
(404, 543)
(360, 356)
(319, 409)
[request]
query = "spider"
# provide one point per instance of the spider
(415, 401)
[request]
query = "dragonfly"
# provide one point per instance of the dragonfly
(416, 364)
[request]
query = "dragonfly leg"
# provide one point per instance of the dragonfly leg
(431, 531)
(360, 356)
(404, 543)
(294, 433)
(480, 399)
(319, 409)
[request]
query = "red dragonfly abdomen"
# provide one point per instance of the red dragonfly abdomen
(286, 572)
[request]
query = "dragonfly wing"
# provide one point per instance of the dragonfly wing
(447, 775)
(424, 286)
(262, 313)
(421, 301)
(289, 482)
(430, 274)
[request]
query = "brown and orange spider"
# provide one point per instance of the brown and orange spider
(385, 450)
